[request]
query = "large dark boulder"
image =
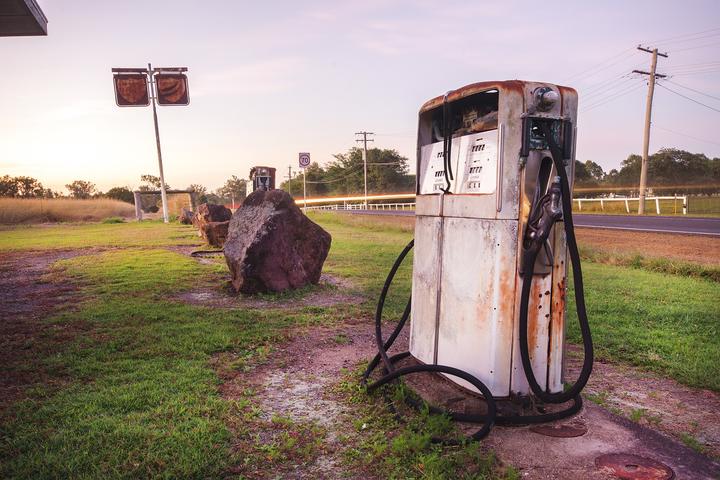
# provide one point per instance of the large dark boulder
(211, 221)
(272, 246)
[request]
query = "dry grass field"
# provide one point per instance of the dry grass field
(40, 210)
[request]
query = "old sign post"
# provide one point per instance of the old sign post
(168, 86)
(304, 162)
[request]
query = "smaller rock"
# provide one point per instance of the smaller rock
(186, 216)
(212, 223)
(215, 233)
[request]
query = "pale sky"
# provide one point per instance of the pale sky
(271, 79)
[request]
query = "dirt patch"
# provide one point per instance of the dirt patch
(688, 248)
(296, 381)
(682, 412)
(29, 293)
(330, 291)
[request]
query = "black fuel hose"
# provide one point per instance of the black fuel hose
(529, 262)
(390, 373)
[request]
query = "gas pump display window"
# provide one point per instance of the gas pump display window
(473, 138)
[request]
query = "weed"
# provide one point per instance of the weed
(693, 442)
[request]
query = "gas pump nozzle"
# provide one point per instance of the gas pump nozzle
(551, 212)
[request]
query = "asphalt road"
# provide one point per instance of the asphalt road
(660, 224)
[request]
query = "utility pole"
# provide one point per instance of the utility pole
(364, 141)
(289, 177)
(648, 115)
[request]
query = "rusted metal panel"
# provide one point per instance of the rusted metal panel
(172, 89)
(425, 287)
(559, 310)
(131, 90)
(475, 327)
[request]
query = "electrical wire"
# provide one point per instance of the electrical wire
(685, 135)
(693, 90)
(339, 179)
(603, 102)
(695, 47)
(684, 35)
(687, 98)
(599, 67)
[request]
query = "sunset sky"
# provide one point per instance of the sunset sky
(271, 79)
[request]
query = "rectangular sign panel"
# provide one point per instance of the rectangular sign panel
(477, 167)
(131, 90)
(172, 89)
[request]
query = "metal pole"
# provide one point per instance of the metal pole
(163, 193)
(646, 139)
(304, 193)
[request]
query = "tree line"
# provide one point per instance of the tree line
(29, 187)
(387, 172)
(670, 171)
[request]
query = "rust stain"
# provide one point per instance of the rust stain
(533, 323)
(473, 88)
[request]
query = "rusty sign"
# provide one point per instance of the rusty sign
(131, 90)
(172, 89)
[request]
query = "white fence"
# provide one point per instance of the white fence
(360, 206)
(636, 200)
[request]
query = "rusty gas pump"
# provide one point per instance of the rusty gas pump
(262, 178)
(493, 230)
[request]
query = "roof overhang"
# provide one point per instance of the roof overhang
(21, 18)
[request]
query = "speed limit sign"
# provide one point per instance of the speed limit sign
(304, 159)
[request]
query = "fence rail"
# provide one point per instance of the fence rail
(360, 206)
(628, 200)
(660, 205)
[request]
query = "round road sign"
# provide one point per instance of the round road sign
(304, 160)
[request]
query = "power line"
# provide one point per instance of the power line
(339, 179)
(685, 35)
(593, 106)
(691, 39)
(688, 98)
(686, 135)
(600, 66)
(696, 46)
(693, 90)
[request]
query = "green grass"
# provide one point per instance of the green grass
(669, 324)
(135, 393)
(659, 265)
(130, 234)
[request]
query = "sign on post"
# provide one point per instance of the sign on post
(131, 90)
(304, 160)
(172, 89)
(168, 86)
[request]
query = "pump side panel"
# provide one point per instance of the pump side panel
(426, 271)
(477, 300)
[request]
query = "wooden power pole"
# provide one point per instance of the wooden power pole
(364, 141)
(652, 74)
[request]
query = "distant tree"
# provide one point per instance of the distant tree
(153, 183)
(200, 192)
(123, 194)
(234, 188)
(23, 187)
(595, 171)
(8, 186)
(81, 189)
(29, 187)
